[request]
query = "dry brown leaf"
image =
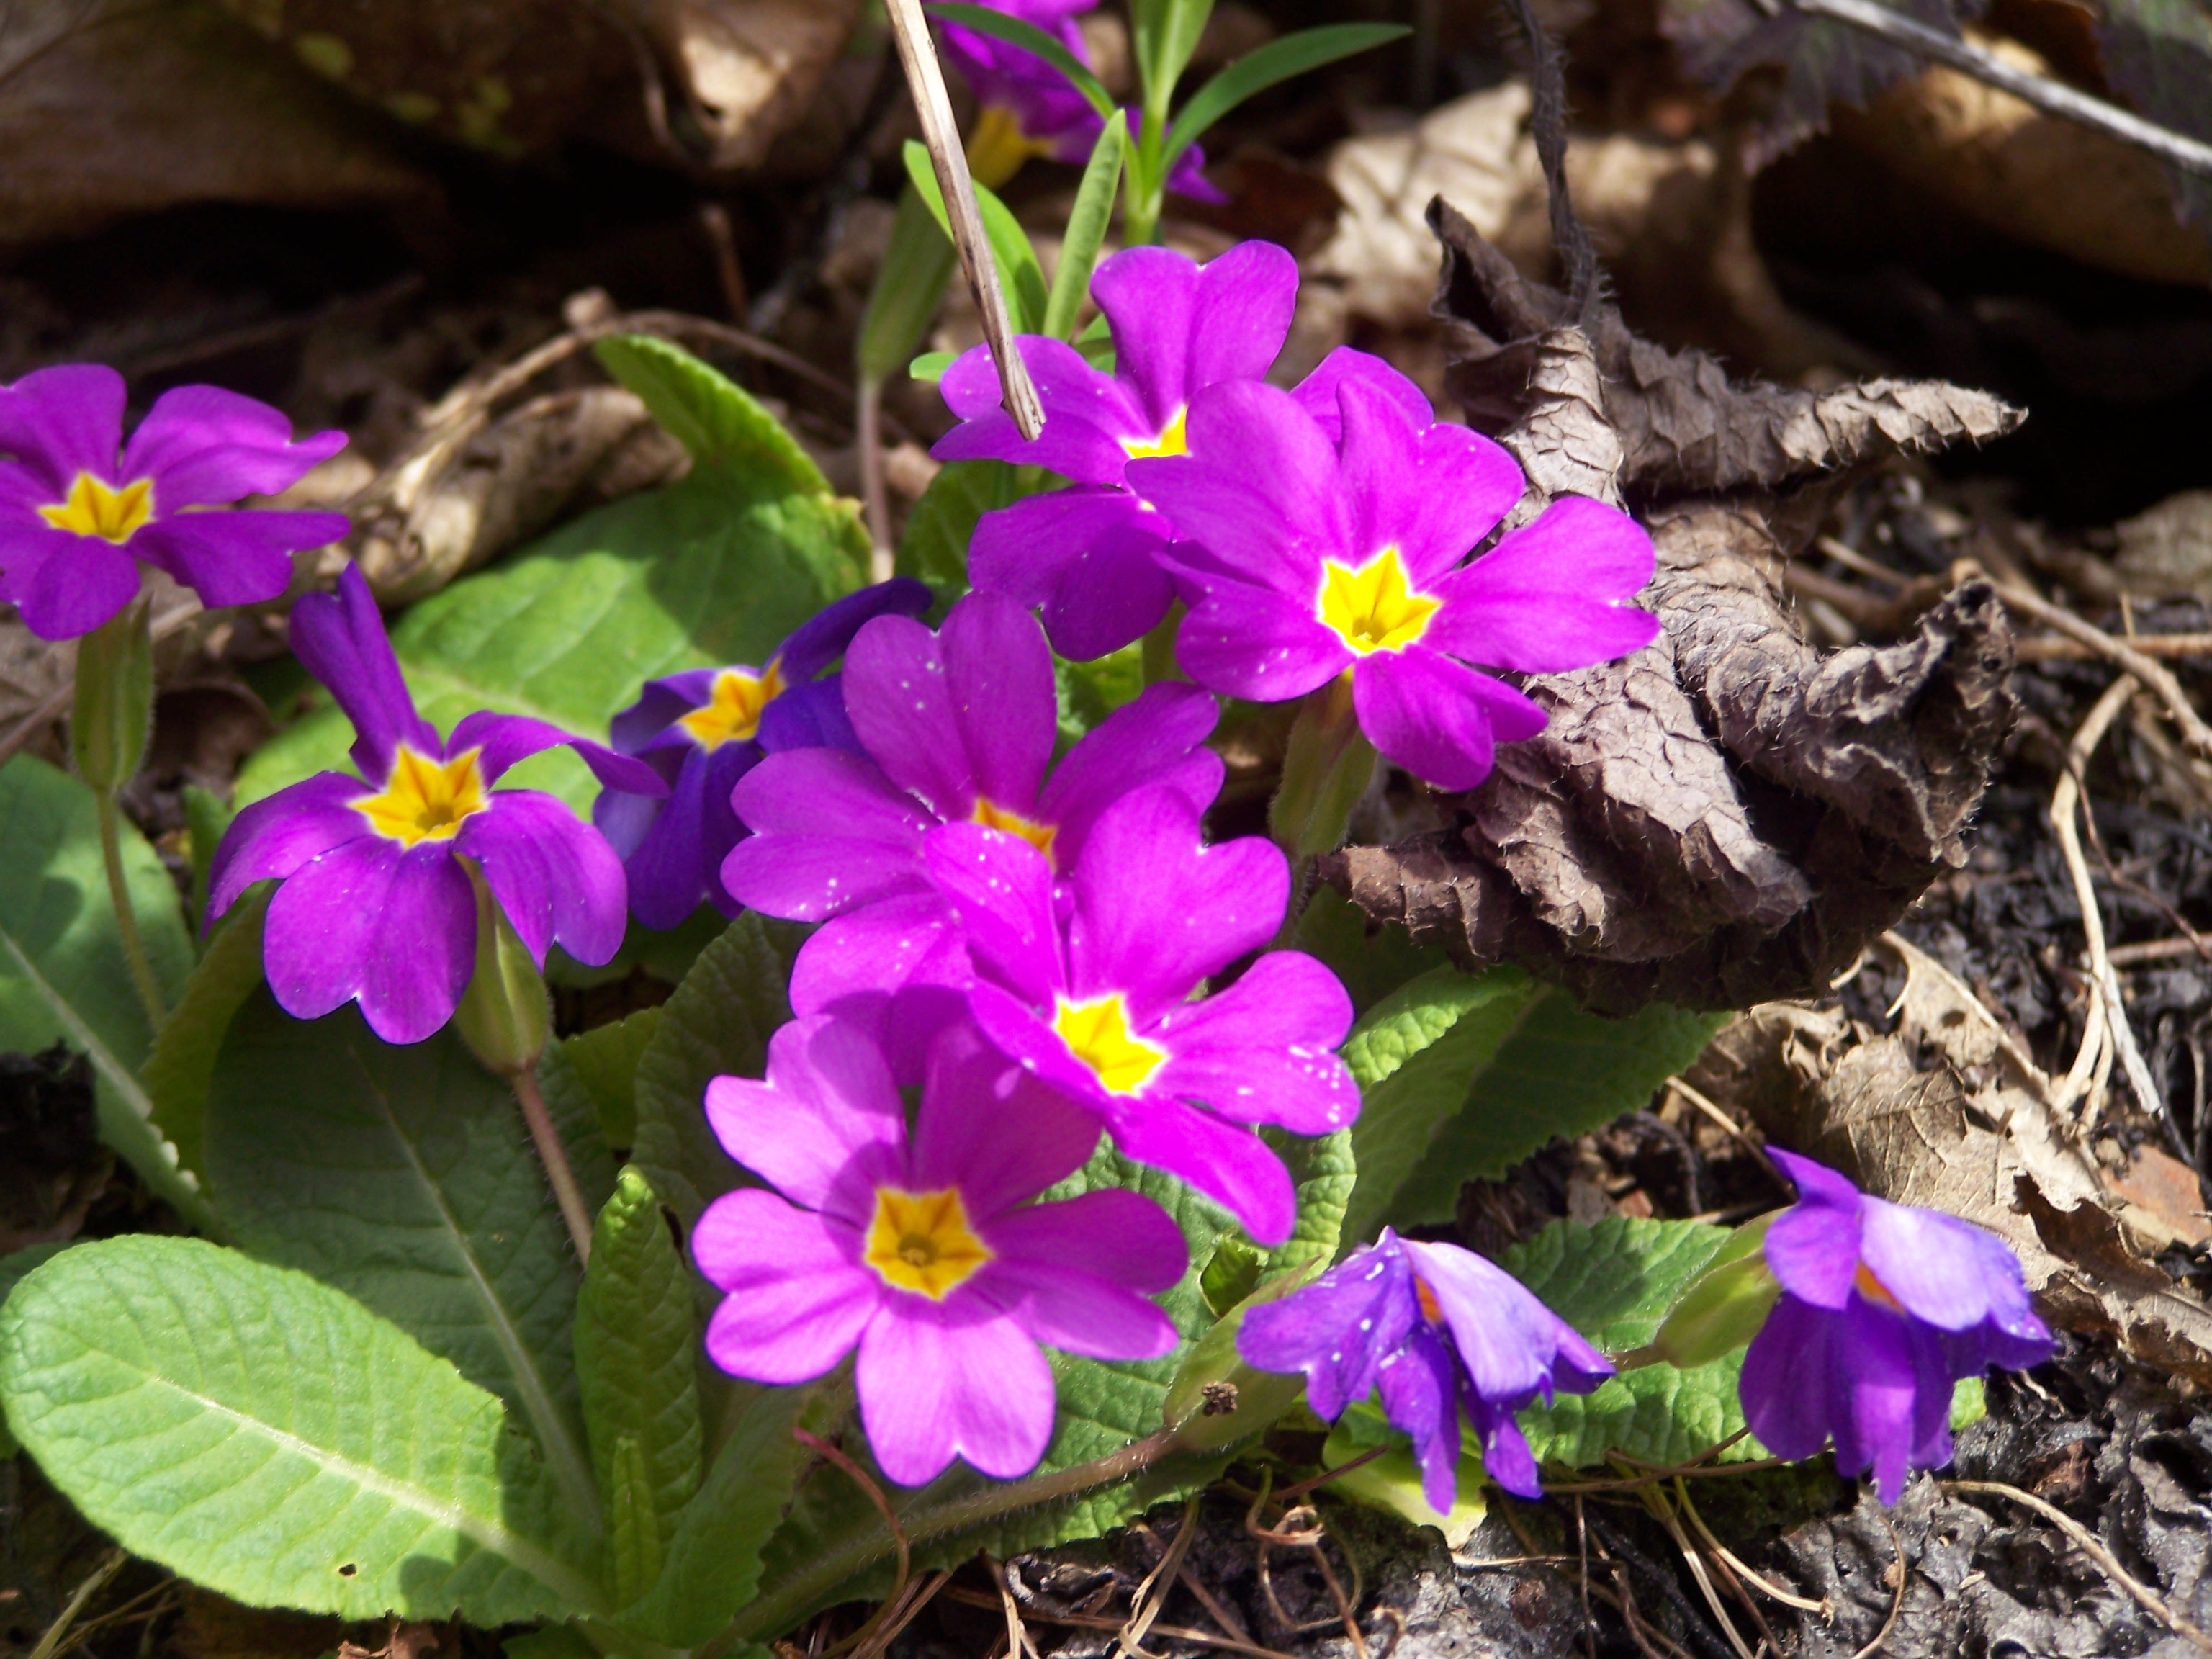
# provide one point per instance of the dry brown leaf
(1948, 1113)
(748, 67)
(1684, 425)
(452, 508)
(108, 109)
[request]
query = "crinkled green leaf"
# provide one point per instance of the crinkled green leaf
(1372, 960)
(63, 975)
(636, 1342)
(1415, 1055)
(709, 413)
(183, 1060)
(405, 1177)
(1090, 691)
(605, 1061)
(712, 1563)
(714, 569)
(270, 1439)
(1656, 1412)
(1324, 1171)
(717, 1024)
(1562, 1072)
(934, 547)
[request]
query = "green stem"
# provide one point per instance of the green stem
(772, 1614)
(126, 918)
(554, 1158)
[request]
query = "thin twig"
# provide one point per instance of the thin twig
(860, 1478)
(918, 1596)
(2194, 731)
(97, 1581)
(875, 499)
(2043, 648)
(2159, 949)
(1655, 1499)
(2065, 799)
(2087, 1541)
(2052, 97)
(941, 133)
(1725, 1122)
(1144, 1605)
(1765, 1586)
(1094, 1621)
(555, 1157)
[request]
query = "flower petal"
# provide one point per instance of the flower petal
(556, 878)
(238, 558)
(1421, 1395)
(1263, 1051)
(1513, 1347)
(1248, 642)
(1158, 739)
(1240, 315)
(1814, 1245)
(825, 1128)
(1086, 555)
(65, 586)
(276, 836)
(823, 637)
(1087, 415)
(1935, 1264)
(1001, 888)
(63, 420)
(1787, 1371)
(1077, 1312)
(797, 1300)
(1431, 491)
(1229, 1163)
(340, 639)
(203, 445)
(1113, 1234)
(830, 833)
(395, 929)
(1340, 1329)
(1438, 718)
(1553, 596)
(898, 969)
(1317, 393)
(988, 1129)
(957, 1378)
(507, 739)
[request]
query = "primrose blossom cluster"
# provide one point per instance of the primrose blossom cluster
(1018, 955)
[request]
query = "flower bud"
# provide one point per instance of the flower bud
(1326, 770)
(114, 712)
(1724, 1306)
(505, 1016)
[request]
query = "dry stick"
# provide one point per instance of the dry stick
(1654, 1500)
(2064, 800)
(554, 1158)
(941, 133)
(1765, 1586)
(2145, 1597)
(2159, 949)
(1017, 1636)
(2194, 731)
(111, 1563)
(2053, 97)
(2045, 649)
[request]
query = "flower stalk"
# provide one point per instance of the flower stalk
(1326, 769)
(108, 730)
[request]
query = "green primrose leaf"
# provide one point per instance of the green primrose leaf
(1560, 1072)
(207, 815)
(403, 1176)
(910, 282)
(1371, 961)
(1392, 1482)
(270, 1439)
(1167, 33)
(13, 1266)
(717, 1024)
(1413, 1055)
(1019, 273)
(714, 569)
(604, 1061)
(1277, 61)
(1087, 223)
(712, 1563)
(709, 413)
(1090, 691)
(931, 366)
(1031, 39)
(636, 1340)
(934, 549)
(183, 1060)
(1614, 1282)
(63, 975)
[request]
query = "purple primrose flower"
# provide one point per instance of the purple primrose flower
(78, 506)
(704, 729)
(376, 904)
(925, 1252)
(1436, 1328)
(1308, 560)
(954, 726)
(1088, 983)
(1087, 554)
(1884, 1307)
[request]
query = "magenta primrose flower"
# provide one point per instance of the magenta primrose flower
(953, 727)
(1436, 1328)
(925, 1252)
(1307, 561)
(1089, 983)
(1884, 1308)
(1087, 554)
(78, 507)
(376, 904)
(704, 729)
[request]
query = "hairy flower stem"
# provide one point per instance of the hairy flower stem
(554, 1156)
(126, 917)
(774, 1612)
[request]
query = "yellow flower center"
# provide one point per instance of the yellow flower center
(733, 714)
(1874, 1290)
(426, 799)
(95, 507)
(992, 816)
(1098, 1034)
(1372, 608)
(922, 1242)
(997, 146)
(1174, 440)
